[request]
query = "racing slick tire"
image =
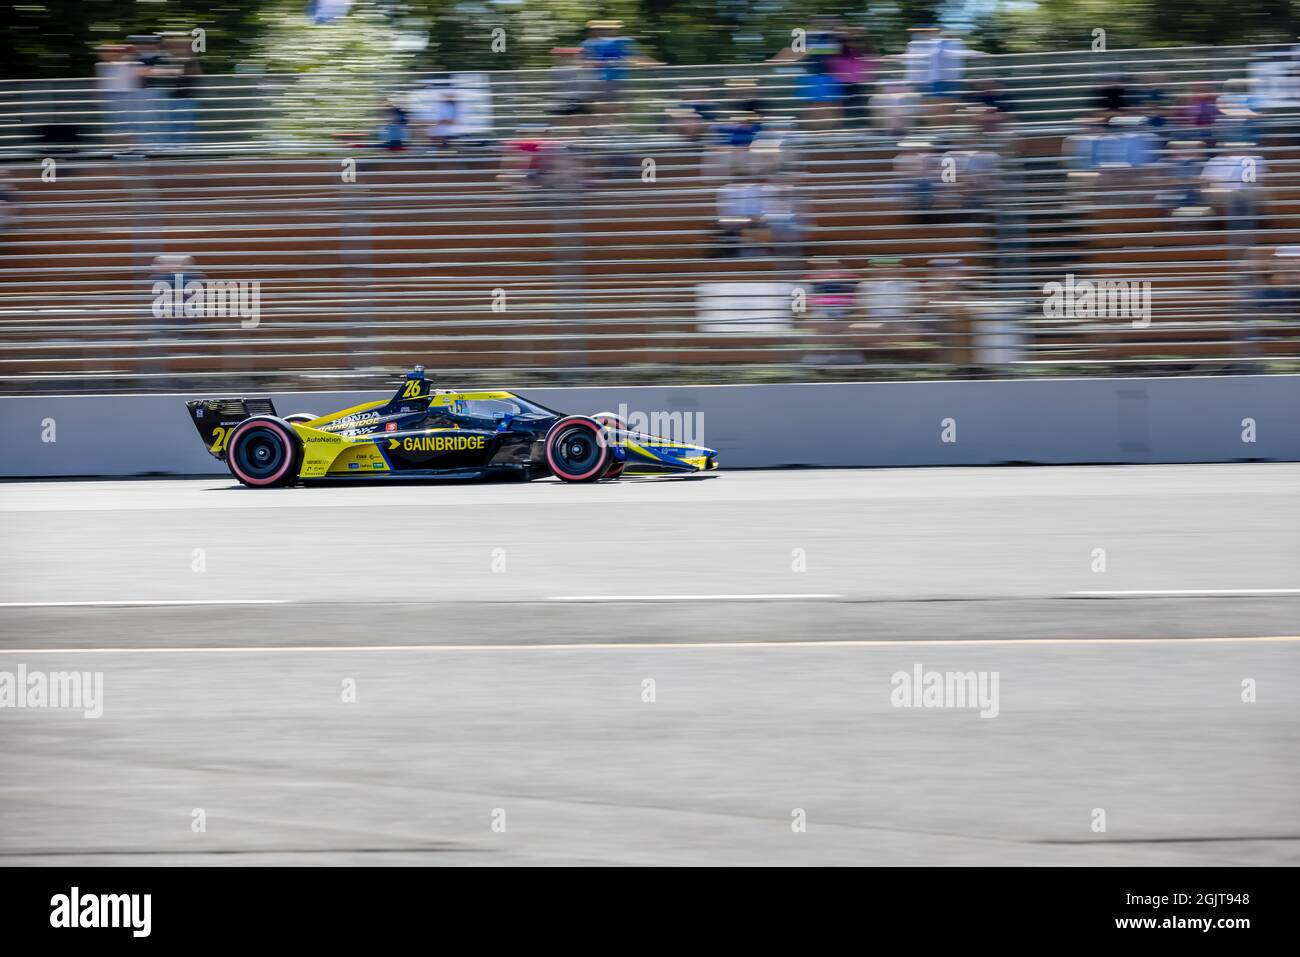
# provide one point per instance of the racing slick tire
(302, 418)
(264, 452)
(610, 420)
(576, 449)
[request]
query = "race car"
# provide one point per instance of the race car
(427, 433)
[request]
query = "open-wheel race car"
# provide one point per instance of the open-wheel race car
(427, 433)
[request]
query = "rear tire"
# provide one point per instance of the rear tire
(576, 449)
(264, 452)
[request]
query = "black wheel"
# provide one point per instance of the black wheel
(264, 452)
(576, 449)
(612, 421)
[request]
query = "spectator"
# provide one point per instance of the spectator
(889, 298)
(692, 117)
(952, 305)
(835, 329)
(744, 95)
(438, 114)
(817, 84)
(830, 292)
(1230, 183)
(740, 130)
(577, 86)
(853, 68)
(1200, 112)
(157, 77)
(181, 101)
(741, 230)
(1184, 163)
(783, 213)
(118, 82)
(935, 62)
(989, 93)
(529, 159)
(991, 125)
(917, 170)
(610, 54)
(1126, 143)
(771, 153)
(988, 112)
(1110, 100)
(176, 317)
(1238, 117)
(444, 123)
(1153, 101)
(394, 132)
(8, 201)
(1286, 280)
(896, 109)
(731, 155)
(974, 173)
(1110, 158)
(1261, 298)
(175, 271)
(1265, 280)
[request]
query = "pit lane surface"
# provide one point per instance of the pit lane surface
(499, 637)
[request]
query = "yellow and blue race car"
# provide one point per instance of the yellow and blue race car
(427, 433)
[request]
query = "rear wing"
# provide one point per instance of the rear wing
(216, 419)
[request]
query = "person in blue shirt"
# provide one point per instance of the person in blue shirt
(610, 53)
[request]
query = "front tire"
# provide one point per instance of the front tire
(576, 449)
(612, 421)
(264, 452)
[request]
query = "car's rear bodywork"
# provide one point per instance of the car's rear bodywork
(436, 434)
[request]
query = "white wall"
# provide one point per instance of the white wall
(1048, 421)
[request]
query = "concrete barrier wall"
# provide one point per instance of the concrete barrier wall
(1051, 421)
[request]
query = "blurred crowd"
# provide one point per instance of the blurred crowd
(949, 132)
(147, 89)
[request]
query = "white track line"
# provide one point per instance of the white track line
(1157, 592)
(647, 645)
(792, 596)
(148, 603)
(776, 597)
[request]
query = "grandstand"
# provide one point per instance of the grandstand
(609, 260)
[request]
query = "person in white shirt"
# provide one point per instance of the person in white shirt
(783, 212)
(740, 217)
(117, 80)
(1230, 184)
(935, 62)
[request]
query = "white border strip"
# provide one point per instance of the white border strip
(146, 603)
(776, 597)
(649, 645)
(1160, 592)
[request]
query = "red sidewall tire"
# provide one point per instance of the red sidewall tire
(612, 421)
(288, 470)
(602, 460)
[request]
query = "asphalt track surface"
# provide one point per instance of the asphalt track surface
(499, 638)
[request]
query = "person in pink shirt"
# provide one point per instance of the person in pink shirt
(854, 69)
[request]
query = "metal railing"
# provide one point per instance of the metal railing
(611, 248)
